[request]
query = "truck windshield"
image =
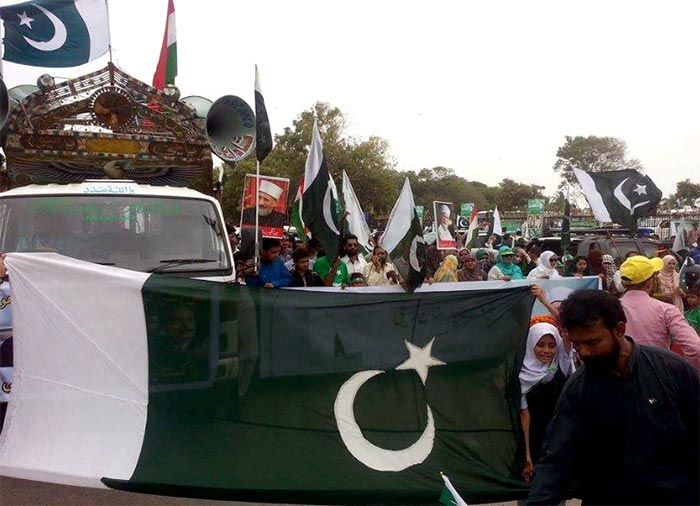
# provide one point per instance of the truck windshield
(134, 232)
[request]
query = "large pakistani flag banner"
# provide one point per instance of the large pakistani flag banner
(167, 385)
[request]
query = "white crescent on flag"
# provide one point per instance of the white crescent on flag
(59, 37)
(622, 198)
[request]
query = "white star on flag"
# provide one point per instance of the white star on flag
(420, 359)
(640, 189)
(25, 20)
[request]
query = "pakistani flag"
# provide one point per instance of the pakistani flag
(449, 495)
(319, 208)
(167, 62)
(403, 239)
(263, 135)
(473, 230)
(566, 225)
(619, 196)
(355, 221)
(295, 214)
(55, 33)
(166, 385)
(496, 228)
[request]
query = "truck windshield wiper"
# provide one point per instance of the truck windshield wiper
(174, 262)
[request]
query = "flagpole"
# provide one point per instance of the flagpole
(109, 32)
(256, 255)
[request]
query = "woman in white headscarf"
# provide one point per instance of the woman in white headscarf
(548, 362)
(546, 267)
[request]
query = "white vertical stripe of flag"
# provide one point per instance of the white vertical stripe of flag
(78, 406)
(458, 498)
(600, 211)
(313, 161)
(356, 219)
(497, 227)
(172, 30)
(399, 222)
(94, 13)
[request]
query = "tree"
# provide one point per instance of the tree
(442, 184)
(687, 193)
(592, 154)
(513, 196)
(367, 162)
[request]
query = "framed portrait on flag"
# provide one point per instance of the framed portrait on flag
(444, 226)
(272, 194)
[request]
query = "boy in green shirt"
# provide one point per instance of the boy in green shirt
(693, 313)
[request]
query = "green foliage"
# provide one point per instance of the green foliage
(513, 196)
(592, 154)
(687, 193)
(367, 162)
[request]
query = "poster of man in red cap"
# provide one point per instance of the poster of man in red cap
(443, 225)
(272, 195)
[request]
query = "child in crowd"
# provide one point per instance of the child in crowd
(693, 312)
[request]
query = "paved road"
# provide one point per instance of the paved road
(15, 492)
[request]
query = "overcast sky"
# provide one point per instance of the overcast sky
(489, 89)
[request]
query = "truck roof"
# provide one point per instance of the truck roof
(106, 187)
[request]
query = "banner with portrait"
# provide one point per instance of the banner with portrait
(535, 218)
(272, 194)
(444, 225)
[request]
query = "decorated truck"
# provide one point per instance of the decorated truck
(109, 170)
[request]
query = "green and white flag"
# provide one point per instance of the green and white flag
(55, 33)
(319, 202)
(449, 495)
(167, 385)
(355, 220)
(403, 239)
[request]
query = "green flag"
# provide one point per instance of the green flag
(186, 387)
(319, 210)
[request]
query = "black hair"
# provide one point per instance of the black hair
(348, 237)
(313, 243)
(300, 253)
(240, 257)
(268, 243)
(583, 308)
(694, 290)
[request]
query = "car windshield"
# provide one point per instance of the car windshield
(134, 232)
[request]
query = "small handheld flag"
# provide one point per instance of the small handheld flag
(263, 135)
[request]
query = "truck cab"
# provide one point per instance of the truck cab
(178, 231)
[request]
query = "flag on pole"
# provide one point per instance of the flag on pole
(47, 33)
(403, 239)
(680, 240)
(167, 63)
(295, 215)
(496, 228)
(683, 271)
(355, 220)
(263, 135)
(473, 230)
(319, 210)
(566, 225)
(619, 196)
(449, 495)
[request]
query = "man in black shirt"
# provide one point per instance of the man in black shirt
(626, 426)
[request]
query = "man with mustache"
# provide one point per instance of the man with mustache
(626, 427)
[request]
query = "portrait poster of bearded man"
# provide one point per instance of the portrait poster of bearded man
(272, 194)
(444, 225)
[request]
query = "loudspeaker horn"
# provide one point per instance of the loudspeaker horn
(231, 128)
